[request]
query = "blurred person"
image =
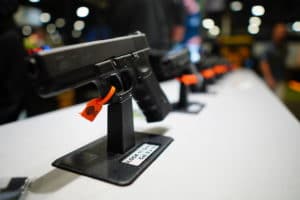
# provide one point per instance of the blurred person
(175, 16)
(192, 38)
(12, 64)
(192, 22)
(161, 20)
(272, 64)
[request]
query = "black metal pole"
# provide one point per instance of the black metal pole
(183, 96)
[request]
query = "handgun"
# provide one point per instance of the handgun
(172, 64)
(122, 62)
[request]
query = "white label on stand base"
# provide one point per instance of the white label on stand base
(140, 154)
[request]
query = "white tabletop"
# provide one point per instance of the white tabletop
(244, 145)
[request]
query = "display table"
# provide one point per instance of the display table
(243, 145)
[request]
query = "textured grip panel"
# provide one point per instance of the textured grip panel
(151, 99)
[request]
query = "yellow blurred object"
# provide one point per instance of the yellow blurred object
(66, 99)
(232, 55)
(236, 40)
(236, 48)
(294, 85)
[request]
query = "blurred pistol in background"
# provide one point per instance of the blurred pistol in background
(174, 64)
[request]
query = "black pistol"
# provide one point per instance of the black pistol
(176, 64)
(122, 62)
(172, 64)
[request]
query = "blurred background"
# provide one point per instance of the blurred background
(261, 35)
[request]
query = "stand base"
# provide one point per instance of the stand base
(192, 107)
(94, 161)
(201, 89)
(210, 81)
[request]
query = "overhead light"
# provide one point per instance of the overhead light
(236, 6)
(208, 23)
(26, 30)
(51, 28)
(60, 22)
(252, 29)
(76, 34)
(45, 17)
(82, 11)
(256, 21)
(215, 31)
(296, 26)
(34, 1)
(258, 10)
(79, 25)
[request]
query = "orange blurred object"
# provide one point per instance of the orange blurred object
(188, 79)
(294, 85)
(208, 73)
(34, 50)
(220, 69)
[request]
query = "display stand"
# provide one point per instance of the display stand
(196, 89)
(184, 105)
(120, 157)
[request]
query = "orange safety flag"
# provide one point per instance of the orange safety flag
(220, 69)
(94, 106)
(208, 73)
(188, 79)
